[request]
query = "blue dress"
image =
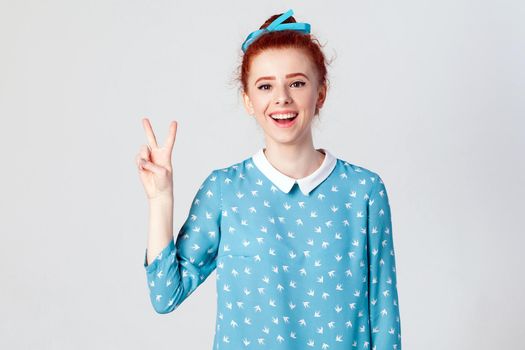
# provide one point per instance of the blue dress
(300, 264)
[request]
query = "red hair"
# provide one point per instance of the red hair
(284, 39)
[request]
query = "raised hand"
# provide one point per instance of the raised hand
(154, 163)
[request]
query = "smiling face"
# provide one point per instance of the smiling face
(284, 81)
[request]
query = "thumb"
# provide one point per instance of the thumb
(147, 165)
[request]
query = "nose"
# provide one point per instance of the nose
(282, 96)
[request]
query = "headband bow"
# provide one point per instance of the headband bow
(276, 25)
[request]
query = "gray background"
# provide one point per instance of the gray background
(427, 93)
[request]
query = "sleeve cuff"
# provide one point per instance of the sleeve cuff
(164, 253)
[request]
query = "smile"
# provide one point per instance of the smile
(284, 120)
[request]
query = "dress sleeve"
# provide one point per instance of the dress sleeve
(384, 314)
(185, 263)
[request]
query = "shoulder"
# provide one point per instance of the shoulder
(366, 176)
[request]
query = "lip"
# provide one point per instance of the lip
(284, 111)
(288, 124)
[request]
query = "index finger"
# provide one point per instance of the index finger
(149, 132)
(171, 136)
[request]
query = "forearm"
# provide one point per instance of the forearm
(160, 231)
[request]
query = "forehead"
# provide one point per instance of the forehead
(279, 62)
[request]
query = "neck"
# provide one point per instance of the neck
(294, 160)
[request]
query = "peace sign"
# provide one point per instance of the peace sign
(154, 163)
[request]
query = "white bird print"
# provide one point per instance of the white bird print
(271, 251)
(302, 272)
(352, 306)
(339, 338)
(306, 304)
(313, 214)
(386, 293)
(361, 328)
(264, 229)
(325, 346)
(291, 234)
(257, 308)
(325, 244)
(279, 287)
(338, 257)
(160, 274)
(286, 319)
(247, 320)
(311, 292)
(252, 210)
(292, 335)
(334, 189)
(208, 215)
(235, 273)
(357, 293)
(286, 206)
(158, 297)
(209, 193)
(254, 193)
(371, 202)
(310, 343)
(244, 222)
(331, 273)
(317, 314)
(275, 320)
(320, 330)
(171, 301)
(240, 304)
(280, 338)
(338, 308)
(373, 301)
(329, 223)
(339, 287)
(266, 280)
(291, 305)
(384, 312)
(331, 324)
(266, 330)
(152, 284)
(348, 324)
(257, 258)
(299, 222)
(285, 268)
(260, 290)
(246, 291)
(227, 180)
(246, 342)
(355, 243)
(338, 235)
(359, 214)
(325, 295)
(271, 302)
(320, 196)
(302, 322)
(275, 269)
(317, 263)
(233, 323)
(226, 288)
(260, 341)
(353, 194)
(293, 284)
(310, 242)
(320, 279)
(318, 229)
(375, 330)
(247, 270)
(278, 237)
(226, 339)
(245, 243)
(266, 204)
(301, 204)
(239, 195)
(292, 254)
(362, 182)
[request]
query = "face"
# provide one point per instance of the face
(283, 83)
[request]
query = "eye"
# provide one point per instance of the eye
(302, 83)
(261, 86)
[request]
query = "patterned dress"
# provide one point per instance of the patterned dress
(300, 264)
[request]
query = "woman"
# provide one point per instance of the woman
(301, 241)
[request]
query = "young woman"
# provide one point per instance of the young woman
(301, 241)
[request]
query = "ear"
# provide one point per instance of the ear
(321, 96)
(247, 103)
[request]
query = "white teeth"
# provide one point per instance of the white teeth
(284, 116)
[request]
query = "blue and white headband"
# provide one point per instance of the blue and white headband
(276, 25)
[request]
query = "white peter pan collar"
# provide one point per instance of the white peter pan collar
(285, 183)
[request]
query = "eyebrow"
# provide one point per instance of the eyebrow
(291, 75)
